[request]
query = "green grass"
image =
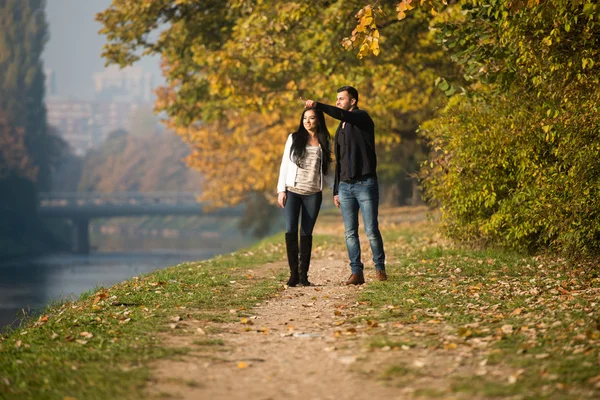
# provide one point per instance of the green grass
(539, 316)
(99, 346)
(209, 342)
(548, 310)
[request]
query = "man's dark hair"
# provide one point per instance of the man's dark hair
(351, 91)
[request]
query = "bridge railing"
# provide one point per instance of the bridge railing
(57, 199)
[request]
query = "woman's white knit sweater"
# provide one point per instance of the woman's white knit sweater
(288, 170)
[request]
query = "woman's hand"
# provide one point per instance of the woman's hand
(281, 198)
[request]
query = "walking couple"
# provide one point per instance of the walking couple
(305, 167)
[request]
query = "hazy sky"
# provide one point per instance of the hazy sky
(73, 50)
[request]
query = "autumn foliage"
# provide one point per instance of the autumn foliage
(517, 159)
(515, 151)
(236, 69)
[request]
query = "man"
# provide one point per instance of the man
(356, 186)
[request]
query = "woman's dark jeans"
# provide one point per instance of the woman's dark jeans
(309, 204)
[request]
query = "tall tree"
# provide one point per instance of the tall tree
(235, 70)
(517, 159)
(28, 151)
(22, 38)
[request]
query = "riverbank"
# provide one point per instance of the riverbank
(449, 323)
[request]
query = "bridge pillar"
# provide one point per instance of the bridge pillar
(81, 235)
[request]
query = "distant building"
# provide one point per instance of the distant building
(74, 121)
(86, 124)
(129, 84)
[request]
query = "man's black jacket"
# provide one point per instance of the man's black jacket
(359, 133)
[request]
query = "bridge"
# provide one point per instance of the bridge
(80, 208)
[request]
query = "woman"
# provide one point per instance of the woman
(304, 168)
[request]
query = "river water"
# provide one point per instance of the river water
(31, 284)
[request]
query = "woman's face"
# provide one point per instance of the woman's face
(310, 120)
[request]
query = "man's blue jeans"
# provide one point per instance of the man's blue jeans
(364, 196)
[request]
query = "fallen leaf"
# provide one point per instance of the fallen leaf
(464, 332)
(242, 364)
(507, 329)
(347, 360)
(594, 379)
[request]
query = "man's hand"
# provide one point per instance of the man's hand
(308, 103)
(281, 199)
(336, 200)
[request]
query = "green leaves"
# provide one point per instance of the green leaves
(443, 84)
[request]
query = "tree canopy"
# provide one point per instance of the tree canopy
(515, 156)
(28, 149)
(518, 156)
(236, 69)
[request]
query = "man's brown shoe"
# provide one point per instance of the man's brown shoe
(380, 275)
(355, 279)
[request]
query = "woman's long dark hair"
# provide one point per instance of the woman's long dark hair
(300, 139)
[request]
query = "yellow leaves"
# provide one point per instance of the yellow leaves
(517, 311)
(100, 296)
(346, 332)
(587, 63)
(404, 6)
(291, 85)
(375, 44)
(366, 32)
(239, 154)
(464, 332)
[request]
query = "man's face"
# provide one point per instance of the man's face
(344, 101)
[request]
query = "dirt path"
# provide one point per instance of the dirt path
(303, 345)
